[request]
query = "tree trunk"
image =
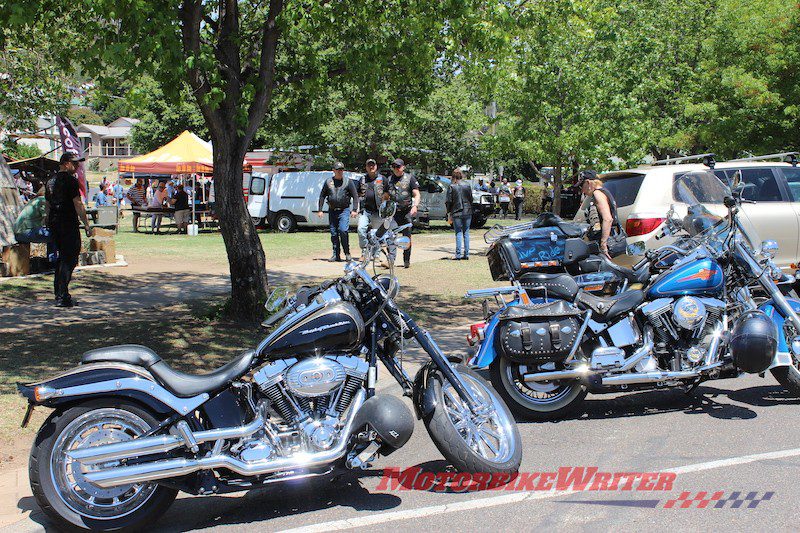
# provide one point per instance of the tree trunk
(557, 181)
(245, 254)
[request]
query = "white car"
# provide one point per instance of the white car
(644, 196)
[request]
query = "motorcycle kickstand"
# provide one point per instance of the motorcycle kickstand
(690, 389)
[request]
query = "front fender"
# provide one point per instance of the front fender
(96, 380)
(422, 395)
(783, 356)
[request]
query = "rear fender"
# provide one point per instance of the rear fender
(96, 380)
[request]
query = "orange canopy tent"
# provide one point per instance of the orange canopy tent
(185, 154)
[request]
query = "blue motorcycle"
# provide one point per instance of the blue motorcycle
(716, 311)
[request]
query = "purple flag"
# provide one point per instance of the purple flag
(72, 144)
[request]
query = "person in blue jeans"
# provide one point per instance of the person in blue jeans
(459, 212)
(339, 191)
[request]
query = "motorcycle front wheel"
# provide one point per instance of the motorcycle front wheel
(484, 442)
(544, 400)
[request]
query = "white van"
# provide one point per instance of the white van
(288, 199)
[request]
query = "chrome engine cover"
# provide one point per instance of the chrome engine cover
(314, 377)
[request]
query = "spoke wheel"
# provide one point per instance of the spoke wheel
(536, 400)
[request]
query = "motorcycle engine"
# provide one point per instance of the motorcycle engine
(683, 329)
(303, 402)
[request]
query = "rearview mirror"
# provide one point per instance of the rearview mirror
(769, 248)
(404, 243)
(387, 211)
(736, 179)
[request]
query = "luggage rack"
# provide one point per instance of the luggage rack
(497, 231)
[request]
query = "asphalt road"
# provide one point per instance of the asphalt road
(728, 436)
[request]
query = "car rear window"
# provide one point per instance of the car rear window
(624, 188)
(258, 186)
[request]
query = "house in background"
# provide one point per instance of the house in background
(109, 143)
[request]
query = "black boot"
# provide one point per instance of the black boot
(407, 258)
(336, 254)
(344, 237)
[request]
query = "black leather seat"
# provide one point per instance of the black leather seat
(570, 229)
(605, 309)
(178, 383)
(561, 286)
(633, 276)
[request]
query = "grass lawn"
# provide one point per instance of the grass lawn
(177, 333)
(208, 247)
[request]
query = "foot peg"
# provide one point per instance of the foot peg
(186, 434)
(364, 459)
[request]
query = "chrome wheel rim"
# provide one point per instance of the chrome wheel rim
(101, 426)
(489, 433)
(540, 395)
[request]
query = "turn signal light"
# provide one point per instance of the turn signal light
(642, 226)
(476, 333)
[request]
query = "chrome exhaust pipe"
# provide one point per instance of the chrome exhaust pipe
(180, 467)
(159, 444)
(578, 372)
(655, 377)
(583, 371)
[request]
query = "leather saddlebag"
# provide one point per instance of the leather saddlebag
(538, 333)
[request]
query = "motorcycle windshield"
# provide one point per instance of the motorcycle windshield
(698, 189)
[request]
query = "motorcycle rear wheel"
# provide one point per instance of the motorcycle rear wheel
(57, 481)
(535, 401)
(490, 443)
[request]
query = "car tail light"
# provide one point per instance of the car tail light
(642, 226)
(476, 333)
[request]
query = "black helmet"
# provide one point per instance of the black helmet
(754, 340)
(389, 417)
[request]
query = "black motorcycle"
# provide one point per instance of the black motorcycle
(128, 432)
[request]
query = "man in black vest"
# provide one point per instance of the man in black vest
(404, 190)
(64, 207)
(371, 196)
(339, 191)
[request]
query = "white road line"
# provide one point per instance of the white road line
(483, 503)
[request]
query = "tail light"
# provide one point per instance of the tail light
(642, 226)
(476, 333)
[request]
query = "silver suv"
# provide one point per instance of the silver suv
(433, 194)
(644, 195)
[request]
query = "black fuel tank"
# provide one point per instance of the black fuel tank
(337, 327)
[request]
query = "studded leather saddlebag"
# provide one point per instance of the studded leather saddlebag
(538, 333)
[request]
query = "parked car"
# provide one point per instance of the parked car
(288, 199)
(644, 196)
(433, 194)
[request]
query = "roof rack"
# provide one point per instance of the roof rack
(787, 157)
(708, 160)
